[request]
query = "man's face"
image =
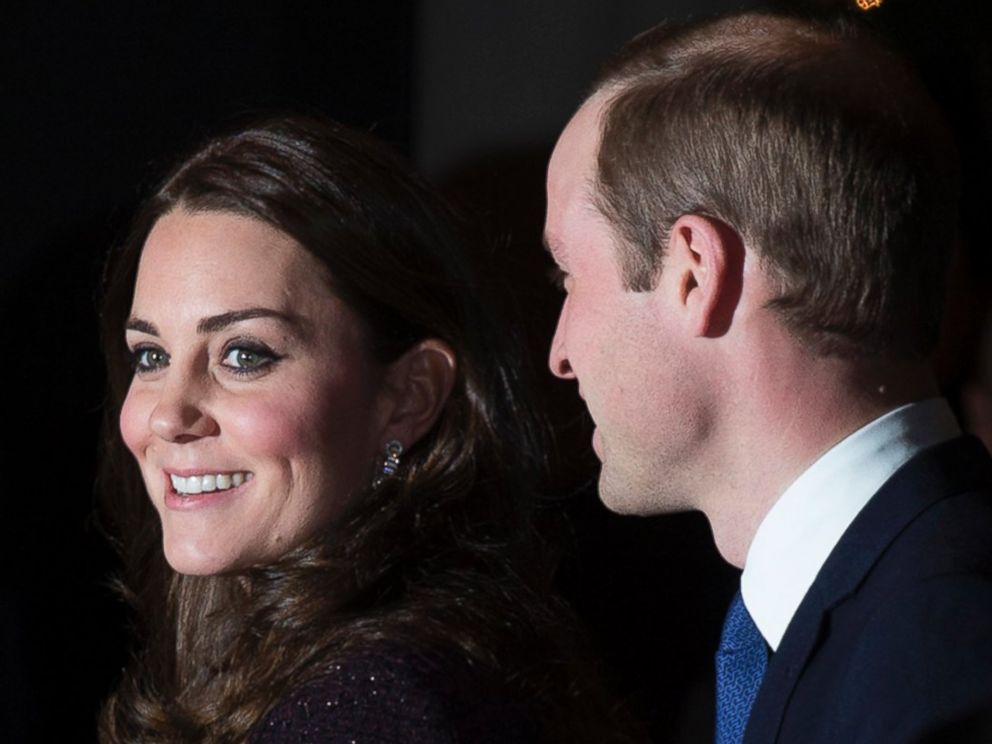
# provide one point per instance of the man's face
(621, 346)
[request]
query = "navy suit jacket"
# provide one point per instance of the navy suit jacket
(894, 636)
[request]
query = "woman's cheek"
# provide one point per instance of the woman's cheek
(314, 434)
(275, 427)
(133, 423)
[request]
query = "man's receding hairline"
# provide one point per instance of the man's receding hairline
(750, 37)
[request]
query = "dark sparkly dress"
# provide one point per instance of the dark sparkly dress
(392, 698)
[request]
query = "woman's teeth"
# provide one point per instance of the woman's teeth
(207, 483)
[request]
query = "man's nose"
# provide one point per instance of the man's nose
(558, 357)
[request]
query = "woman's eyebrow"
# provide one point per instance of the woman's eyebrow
(216, 323)
(219, 322)
(143, 326)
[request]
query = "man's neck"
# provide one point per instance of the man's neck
(785, 426)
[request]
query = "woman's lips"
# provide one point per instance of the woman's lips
(207, 482)
(190, 489)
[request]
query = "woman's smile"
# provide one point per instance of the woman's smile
(208, 481)
(253, 407)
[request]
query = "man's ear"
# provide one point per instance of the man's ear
(416, 388)
(706, 258)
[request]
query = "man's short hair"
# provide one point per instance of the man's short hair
(815, 143)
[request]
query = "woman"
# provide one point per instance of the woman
(321, 481)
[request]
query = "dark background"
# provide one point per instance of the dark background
(97, 99)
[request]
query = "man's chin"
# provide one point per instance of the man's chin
(619, 495)
(636, 497)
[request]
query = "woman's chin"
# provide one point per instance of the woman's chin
(192, 560)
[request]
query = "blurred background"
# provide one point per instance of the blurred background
(98, 98)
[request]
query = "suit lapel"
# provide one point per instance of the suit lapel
(953, 467)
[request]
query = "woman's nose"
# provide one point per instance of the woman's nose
(179, 415)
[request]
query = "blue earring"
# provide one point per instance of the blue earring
(390, 464)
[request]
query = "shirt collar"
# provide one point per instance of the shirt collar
(802, 528)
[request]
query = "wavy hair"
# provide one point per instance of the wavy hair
(443, 558)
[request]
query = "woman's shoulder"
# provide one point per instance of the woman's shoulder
(391, 695)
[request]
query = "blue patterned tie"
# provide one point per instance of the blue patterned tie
(740, 665)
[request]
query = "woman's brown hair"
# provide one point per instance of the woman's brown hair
(442, 559)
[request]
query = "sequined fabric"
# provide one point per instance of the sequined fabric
(390, 698)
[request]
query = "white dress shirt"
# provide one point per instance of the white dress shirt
(802, 528)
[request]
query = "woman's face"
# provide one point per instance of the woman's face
(254, 410)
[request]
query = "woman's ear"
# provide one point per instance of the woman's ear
(415, 389)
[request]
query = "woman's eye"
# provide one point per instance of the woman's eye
(244, 359)
(148, 359)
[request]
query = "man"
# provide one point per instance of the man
(752, 216)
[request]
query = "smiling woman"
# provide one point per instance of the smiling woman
(260, 381)
(320, 466)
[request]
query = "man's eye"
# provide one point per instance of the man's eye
(246, 359)
(148, 359)
(557, 277)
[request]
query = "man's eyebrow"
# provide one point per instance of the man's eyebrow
(549, 244)
(217, 322)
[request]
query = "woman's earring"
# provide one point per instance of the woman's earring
(391, 462)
